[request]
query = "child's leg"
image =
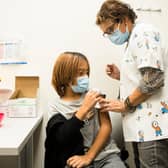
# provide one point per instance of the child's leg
(111, 161)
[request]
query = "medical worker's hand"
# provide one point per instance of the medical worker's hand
(79, 161)
(113, 71)
(112, 105)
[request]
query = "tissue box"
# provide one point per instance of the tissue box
(23, 102)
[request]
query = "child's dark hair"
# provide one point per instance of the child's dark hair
(65, 70)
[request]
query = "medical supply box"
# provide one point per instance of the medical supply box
(24, 100)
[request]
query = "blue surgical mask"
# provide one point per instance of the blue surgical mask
(119, 38)
(82, 85)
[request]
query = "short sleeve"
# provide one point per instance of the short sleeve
(147, 49)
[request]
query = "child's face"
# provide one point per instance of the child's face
(83, 70)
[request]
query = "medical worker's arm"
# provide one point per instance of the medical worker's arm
(152, 81)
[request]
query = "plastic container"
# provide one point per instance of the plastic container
(1, 118)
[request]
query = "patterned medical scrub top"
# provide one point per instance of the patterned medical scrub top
(150, 120)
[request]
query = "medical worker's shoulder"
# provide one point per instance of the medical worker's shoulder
(145, 31)
(144, 34)
(143, 27)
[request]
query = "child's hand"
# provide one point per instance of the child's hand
(91, 98)
(79, 161)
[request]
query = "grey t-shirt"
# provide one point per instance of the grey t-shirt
(91, 126)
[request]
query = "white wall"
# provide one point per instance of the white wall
(49, 27)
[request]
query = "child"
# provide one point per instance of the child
(77, 134)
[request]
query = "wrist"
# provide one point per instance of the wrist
(81, 113)
(128, 105)
(90, 156)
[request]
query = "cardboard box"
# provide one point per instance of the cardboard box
(23, 102)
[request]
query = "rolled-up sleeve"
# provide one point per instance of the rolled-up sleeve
(152, 80)
(149, 60)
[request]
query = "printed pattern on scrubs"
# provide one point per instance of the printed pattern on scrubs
(150, 120)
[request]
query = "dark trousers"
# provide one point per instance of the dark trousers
(152, 154)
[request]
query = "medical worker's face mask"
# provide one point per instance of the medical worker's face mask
(118, 37)
(82, 85)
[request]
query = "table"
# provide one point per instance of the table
(16, 139)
